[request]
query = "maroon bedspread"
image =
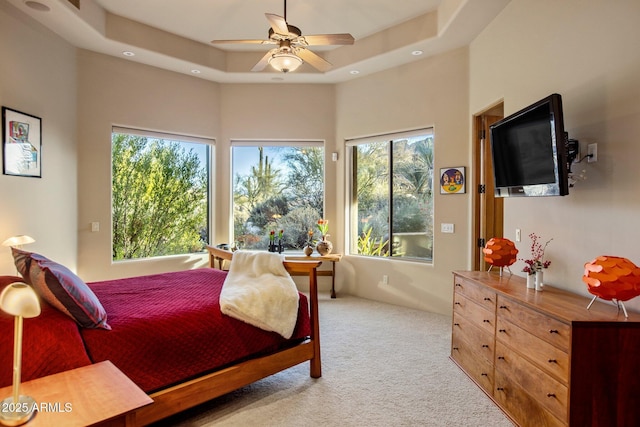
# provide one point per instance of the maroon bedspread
(167, 328)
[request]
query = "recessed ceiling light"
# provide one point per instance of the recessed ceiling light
(36, 5)
(128, 53)
(417, 53)
(354, 72)
(194, 71)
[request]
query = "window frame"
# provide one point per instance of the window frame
(273, 143)
(352, 214)
(210, 144)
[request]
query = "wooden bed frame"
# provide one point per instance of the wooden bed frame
(202, 389)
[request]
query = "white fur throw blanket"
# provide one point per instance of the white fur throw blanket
(258, 290)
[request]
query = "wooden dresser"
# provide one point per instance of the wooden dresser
(542, 357)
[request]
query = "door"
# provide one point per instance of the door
(488, 211)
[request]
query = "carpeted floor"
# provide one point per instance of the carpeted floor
(382, 365)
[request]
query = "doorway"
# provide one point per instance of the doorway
(488, 211)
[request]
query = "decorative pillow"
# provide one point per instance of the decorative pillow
(57, 285)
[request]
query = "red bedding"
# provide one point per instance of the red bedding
(167, 328)
(51, 343)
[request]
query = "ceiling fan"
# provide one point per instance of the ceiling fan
(292, 45)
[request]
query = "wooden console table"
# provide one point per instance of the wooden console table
(94, 395)
(332, 258)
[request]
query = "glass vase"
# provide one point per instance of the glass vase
(531, 281)
(539, 280)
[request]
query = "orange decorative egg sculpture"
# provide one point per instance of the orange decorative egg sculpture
(500, 252)
(612, 278)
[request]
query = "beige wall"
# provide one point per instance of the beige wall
(37, 77)
(429, 93)
(588, 52)
(113, 91)
(584, 50)
(272, 112)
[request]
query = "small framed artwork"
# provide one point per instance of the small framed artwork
(452, 180)
(21, 144)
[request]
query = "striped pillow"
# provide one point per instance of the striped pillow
(57, 285)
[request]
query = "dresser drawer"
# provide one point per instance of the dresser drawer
(479, 341)
(544, 327)
(475, 313)
(548, 392)
(482, 295)
(523, 408)
(547, 357)
(479, 369)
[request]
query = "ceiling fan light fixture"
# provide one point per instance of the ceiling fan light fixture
(285, 61)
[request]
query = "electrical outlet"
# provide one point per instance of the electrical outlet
(518, 235)
(95, 226)
(385, 279)
(592, 152)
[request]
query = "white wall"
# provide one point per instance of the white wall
(588, 52)
(429, 93)
(37, 77)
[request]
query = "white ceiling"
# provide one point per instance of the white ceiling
(176, 34)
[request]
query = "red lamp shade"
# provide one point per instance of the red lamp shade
(612, 278)
(500, 252)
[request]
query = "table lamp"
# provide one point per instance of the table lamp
(500, 252)
(18, 241)
(19, 300)
(613, 279)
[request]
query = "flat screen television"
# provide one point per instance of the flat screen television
(529, 151)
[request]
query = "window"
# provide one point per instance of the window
(392, 196)
(276, 186)
(159, 193)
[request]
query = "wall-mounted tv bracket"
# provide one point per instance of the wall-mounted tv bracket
(573, 150)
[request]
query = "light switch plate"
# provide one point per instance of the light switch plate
(447, 228)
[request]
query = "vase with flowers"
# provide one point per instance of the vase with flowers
(308, 248)
(324, 247)
(536, 264)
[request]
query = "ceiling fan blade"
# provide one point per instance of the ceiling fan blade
(247, 41)
(264, 61)
(278, 24)
(314, 60)
(326, 39)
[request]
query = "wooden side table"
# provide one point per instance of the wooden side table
(93, 395)
(332, 258)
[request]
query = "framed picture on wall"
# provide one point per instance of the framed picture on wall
(452, 180)
(21, 144)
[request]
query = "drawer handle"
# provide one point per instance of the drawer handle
(456, 324)
(486, 321)
(500, 357)
(455, 348)
(551, 395)
(485, 346)
(553, 361)
(504, 331)
(484, 375)
(504, 307)
(500, 389)
(553, 331)
(487, 299)
(458, 284)
(456, 303)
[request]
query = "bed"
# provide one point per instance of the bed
(164, 331)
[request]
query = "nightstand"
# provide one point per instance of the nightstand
(93, 395)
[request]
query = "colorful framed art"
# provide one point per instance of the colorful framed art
(21, 144)
(452, 180)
